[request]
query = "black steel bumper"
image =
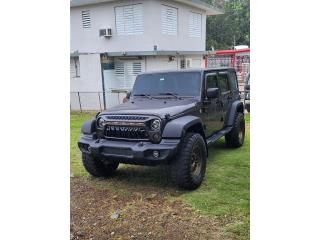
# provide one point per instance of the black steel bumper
(129, 152)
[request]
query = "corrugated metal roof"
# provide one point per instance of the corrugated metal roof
(210, 9)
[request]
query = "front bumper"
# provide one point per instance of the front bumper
(129, 152)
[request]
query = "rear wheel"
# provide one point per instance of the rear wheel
(188, 169)
(98, 168)
(235, 137)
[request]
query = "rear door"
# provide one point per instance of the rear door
(233, 84)
(225, 93)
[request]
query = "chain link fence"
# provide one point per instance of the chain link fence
(92, 101)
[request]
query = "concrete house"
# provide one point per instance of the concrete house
(113, 41)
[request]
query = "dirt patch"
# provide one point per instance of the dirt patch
(100, 213)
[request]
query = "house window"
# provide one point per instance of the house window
(169, 20)
(195, 25)
(86, 19)
(136, 68)
(129, 19)
(182, 64)
(125, 72)
(74, 67)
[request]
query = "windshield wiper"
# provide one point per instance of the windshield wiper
(142, 95)
(170, 94)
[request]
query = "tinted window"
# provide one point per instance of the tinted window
(181, 83)
(212, 81)
(223, 83)
(233, 81)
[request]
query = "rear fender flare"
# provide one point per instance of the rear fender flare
(236, 106)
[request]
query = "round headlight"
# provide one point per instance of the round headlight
(155, 125)
(101, 122)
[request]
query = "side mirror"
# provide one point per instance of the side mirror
(126, 98)
(247, 87)
(213, 92)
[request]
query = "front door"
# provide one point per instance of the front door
(212, 111)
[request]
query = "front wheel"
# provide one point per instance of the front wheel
(235, 137)
(98, 168)
(189, 167)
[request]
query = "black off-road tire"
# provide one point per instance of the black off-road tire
(182, 169)
(235, 138)
(97, 168)
(248, 108)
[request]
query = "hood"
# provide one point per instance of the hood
(157, 107)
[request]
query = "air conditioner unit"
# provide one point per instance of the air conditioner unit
(107, 32)
(188, 63)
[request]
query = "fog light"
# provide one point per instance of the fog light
(156, 137)
(156, 154)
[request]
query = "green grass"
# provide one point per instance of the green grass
(224, 194)
(76, 121)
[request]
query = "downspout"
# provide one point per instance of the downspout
(103, 87)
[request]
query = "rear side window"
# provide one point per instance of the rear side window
(233, 81)
(212, 81)
(223, 83)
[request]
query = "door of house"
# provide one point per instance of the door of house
(121, 79)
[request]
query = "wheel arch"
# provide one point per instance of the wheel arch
(178, 128)
(89, 126)
(236, 107)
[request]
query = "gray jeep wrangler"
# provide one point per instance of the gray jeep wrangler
(170, 118)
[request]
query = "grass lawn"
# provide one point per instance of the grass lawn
(224, 194)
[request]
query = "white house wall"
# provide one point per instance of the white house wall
(88, 84)
(158, 63)
(102, 15)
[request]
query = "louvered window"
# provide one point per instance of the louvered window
(169, 20)
(125, 72)
(86, 19)
(74, 67)
(129, 19)
(195, 25)
(182, 64)
(136, 68)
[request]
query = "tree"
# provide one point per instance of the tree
(233, 27)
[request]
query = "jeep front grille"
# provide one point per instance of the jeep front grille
(126, 132)
(129, 127)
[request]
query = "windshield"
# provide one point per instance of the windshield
(177, 83)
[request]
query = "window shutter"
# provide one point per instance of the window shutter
(74, 67)
(120, 77)
(86, 19)
(126, 73)
(169, 20)
(129, 20)
(195, 24)
(136, 68)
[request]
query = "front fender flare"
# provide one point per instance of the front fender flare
(89, 127)
(177, 128)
